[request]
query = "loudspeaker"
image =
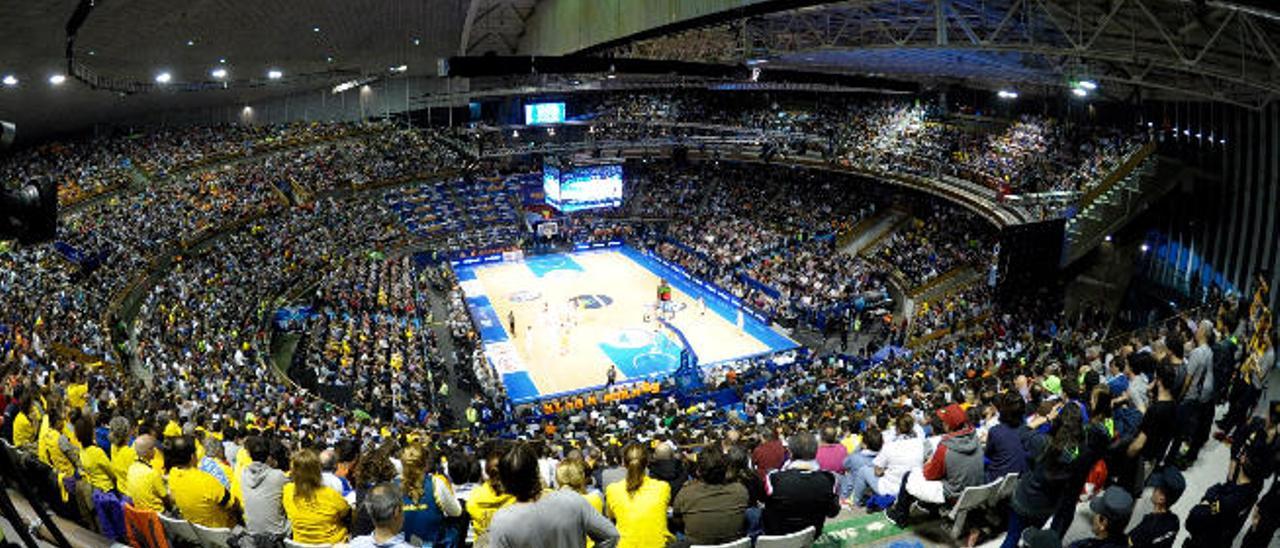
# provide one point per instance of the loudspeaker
(30, 212)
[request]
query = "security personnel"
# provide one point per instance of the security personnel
(1224, 508)
(1266, 517)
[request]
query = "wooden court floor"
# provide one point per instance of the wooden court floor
(619, 295)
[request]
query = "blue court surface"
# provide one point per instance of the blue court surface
(637, 349)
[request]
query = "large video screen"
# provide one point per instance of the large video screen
(587, 187)
(543, 113)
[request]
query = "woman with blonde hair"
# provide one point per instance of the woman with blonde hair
(639, 503)
(428, 498)
(318, 513)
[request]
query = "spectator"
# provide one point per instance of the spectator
(488, 498)
(872, 442)
(831, 453)
(318, 514)
(1111, 513)
(639, 503)
(1195, 409)
(200, 497)
(262, 485)
(122, 453)
(956, 464)
(571, 474)
(538, 518)
(895, 459)
(1039, 491)
(384, 508)
(800, 495)
(94, 464)
(770, 455)
(711, 509)
(666, 466)
(144, 484)
(1159, 528)
(428, 498)
(1004, 451)
(1155, 433)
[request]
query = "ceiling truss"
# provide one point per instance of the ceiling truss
(1169, 47)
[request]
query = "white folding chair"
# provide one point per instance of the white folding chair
(212, 537)
(1007, 487)
(744, 542)
(180, 531)
(971, 498)
(799, 539)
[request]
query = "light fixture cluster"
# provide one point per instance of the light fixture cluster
(1082, 88)
(1007, 94)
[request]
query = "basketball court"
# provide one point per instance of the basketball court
(577, 314)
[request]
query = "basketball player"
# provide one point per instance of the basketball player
(741, 322)
(702, 305)
(511, 321)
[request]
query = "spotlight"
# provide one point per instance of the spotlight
(57, 79)
(1078, 92)
(191, 43)
(275, 74)
(1107, 238)
(222, 60)
(1006, 94)
(1088, 85)
(163, 78)
(219, 73)
(10, 80)
(315, 29)
(401, 68)
(417, 41)
(1145, 248)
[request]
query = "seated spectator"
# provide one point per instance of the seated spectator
(538, 519)
(638, 504)
(666, 466)
(383, 506)
(872, 442)
(711, 509)
(200, 497)
(898, 457)
(428, 498)
(1111, 514)
(262, 486)
(571, 474)
(800, 495)
(94, 463)
(144, 484)
(319, 514)
(831, 453)
(1159, 528)
(771, 454)
(955, 464)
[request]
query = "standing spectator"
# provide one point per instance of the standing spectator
(1159, 528)
(711, 509)
(383, 506)
(488, 498)
(262, 489)
(800, 495)
(538, 518)
(639, 503)
(318, 513)
(1111, 514)
(428, 497)
(1151, 443)
(1195, 412)
(1040, 489)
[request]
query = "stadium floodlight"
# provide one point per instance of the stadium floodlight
(399, 69)
(1079, 92)
(1087, 85)
(222, 60)
(275, 74)
(218, 73)
(1006, 94)
(164, 78)
(57, 79)
(315, 29)
(10, 80)
(1107, 238)
(1145, 248)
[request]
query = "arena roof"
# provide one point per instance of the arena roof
(122, 47)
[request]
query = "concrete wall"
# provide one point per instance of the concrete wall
(559, 27)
